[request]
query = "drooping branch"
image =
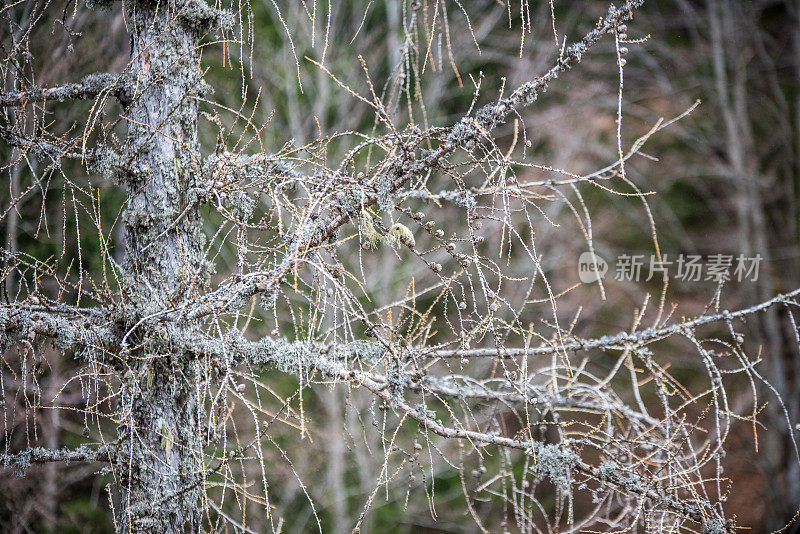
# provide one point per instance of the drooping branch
(606, 173)
(558, 461)
(463, 135)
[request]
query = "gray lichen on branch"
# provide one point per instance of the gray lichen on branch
(91, 86)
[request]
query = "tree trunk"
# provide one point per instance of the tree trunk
(161, 463)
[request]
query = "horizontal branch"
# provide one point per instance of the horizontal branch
(90, 87)
(276, 351)
(226, 165)
(68, 327)
(288, 355)
(618, 341)
(22, 460)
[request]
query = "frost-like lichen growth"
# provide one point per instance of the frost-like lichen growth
(461, 132)
(199, 15)
(383, 187)
(21, 463)
(608, 470)
(99, 4)
(240, 204)
(400, 234)
(553, 462)
(611, 471)
(106, 163)
(490, 116)
(288, 356)
(426, 412)
(713, 527)
(465, 200)
(64, 334)
(97, 82)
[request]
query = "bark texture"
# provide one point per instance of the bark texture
(162, 452)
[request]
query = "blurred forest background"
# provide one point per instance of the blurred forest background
(727, 181)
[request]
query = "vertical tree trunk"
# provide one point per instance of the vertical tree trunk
(162, 470)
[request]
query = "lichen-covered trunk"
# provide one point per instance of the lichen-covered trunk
(160, 465)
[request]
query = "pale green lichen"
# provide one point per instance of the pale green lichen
(149, 376)
(370, 236)
(167, 439)
(400, 234)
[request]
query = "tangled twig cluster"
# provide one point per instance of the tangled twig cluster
(406, 272)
